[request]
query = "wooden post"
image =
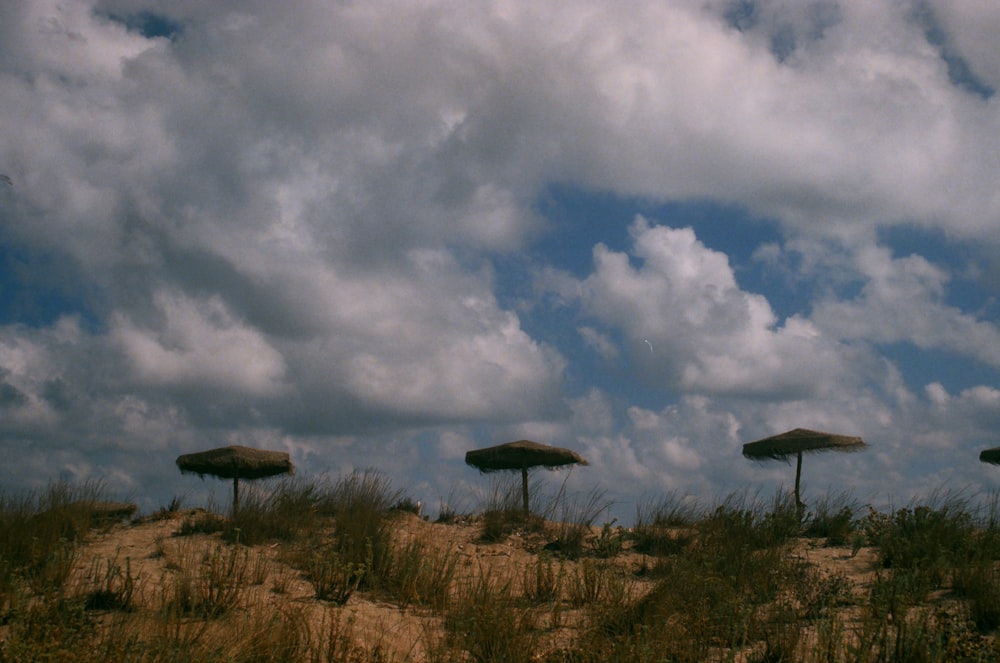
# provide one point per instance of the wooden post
(236, 495)
(524, 488)
(798, 476)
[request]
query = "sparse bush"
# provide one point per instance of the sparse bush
(407, 505)
(366, 489)
(486, 620)
(420, 573)
(450, 508)
(926, 540)
(499, 524)
(202, 522)
(362, 534)
(749, 524)
(333, 578)
(609, 542)
(56, 629)
(503, 511)
(817, 594)
(833, 518)
(209, 587)
(664, 526)
(589, 583)
(575, 520)
(979, 583)
(39, 536)
(281, 514)
(710, 594)
(541, 581)
(112, 586)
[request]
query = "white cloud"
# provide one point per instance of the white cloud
(969, 28)
(707, 334)
(199, 343)
(903, 300)
(603, 345)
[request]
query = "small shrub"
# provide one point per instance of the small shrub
(589, 583)
(833, 519)
(49, 630)
(420, 573)
(333, 578)
(979, 583)
(450, 508)
(168, 511)
(609, 542)
(362, 535)
(895, 591)
(503, 511)
(112, 587)
(281, 581)
(817, 593)
(50, 570)
(928, 539)
(282, 514)
(363, 541)
(486, 621)
(210, 587)
(743, 524)
(39, 533)
(499, 524)
(407, 505)
(367, 489)
(258, 567)
(922, 636)
(712, 593)
(575, 520)
(780, 634)
(664, 526)
(202, 522)
(541, 581)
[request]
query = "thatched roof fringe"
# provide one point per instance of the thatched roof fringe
(523, 453)
(787, 445)
(236, 462)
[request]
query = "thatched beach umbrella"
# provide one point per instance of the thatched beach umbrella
(522, 455)
(795, 443)
(236, 462)
(991, 456)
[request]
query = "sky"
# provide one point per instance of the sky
(380, 234)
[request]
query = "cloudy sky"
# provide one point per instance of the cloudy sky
(380, 234)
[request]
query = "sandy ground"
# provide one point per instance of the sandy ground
(152, 553)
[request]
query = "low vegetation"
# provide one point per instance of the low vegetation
(290, 577)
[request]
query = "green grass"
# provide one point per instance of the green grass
(730, 581)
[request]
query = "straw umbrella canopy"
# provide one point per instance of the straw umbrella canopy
(991, 456)
(522, 455)
(236, 462)
(797, 442)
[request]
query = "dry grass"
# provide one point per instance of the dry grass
(335, 573)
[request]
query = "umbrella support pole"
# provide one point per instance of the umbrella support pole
(798, 477)
(524, 489)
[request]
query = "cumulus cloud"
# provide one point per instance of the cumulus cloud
(903, 300)
(199, 343)
(707, 335)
